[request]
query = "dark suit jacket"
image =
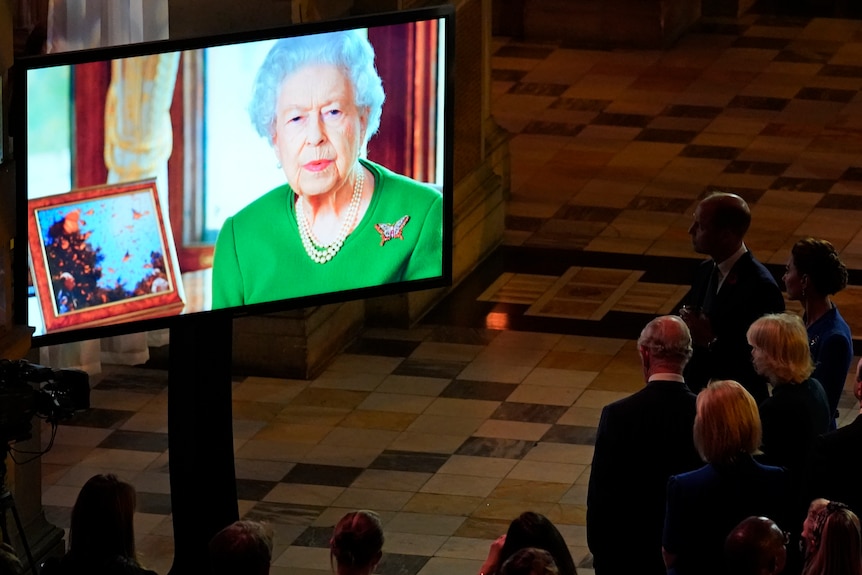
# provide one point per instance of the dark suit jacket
(834, 470)
(641, 441)
(749, 292)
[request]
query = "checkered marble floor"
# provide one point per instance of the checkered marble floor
(489, 406)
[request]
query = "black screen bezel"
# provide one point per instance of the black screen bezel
(445, 13)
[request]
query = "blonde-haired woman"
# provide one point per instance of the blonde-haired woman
(703, 506)
(797, 410)
(832, 540)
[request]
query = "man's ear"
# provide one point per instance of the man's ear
(644, 353)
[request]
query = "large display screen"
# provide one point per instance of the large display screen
(245, 173)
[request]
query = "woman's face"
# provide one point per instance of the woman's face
(757, 358)
(793, 282)
(806, 541)
(319, 129)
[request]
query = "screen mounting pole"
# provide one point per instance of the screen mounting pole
(200, 436)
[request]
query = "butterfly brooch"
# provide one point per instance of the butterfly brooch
(391, 231)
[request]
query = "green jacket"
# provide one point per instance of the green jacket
(259, 255)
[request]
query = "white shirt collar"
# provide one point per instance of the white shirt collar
(666, 377)
(727, 265)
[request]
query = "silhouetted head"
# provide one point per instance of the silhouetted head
(357, 543)
(103, 519)
(719, 225)
(665, 343)
(814, 269)
(755, 547)
(532, 529)
(530, 561)
(727, 424)
(780, 350)
(241, 547)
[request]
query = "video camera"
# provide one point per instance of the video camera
(28, 389)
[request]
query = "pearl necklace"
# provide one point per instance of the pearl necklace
(322, 253)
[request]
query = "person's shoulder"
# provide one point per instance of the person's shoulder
(839, 319)
(628, 403)
(751, 466)
(395, 182)
(663, 392)
(693, 477)
(264, 206)
(834, 326)
(815, 389)
(850, 433)
(749, 265)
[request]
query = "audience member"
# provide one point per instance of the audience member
(703, 506)
(798, 411)
(814, 272)
(530, 529)
(815, 509)
(755, 547)
(648, 435)
(356, 546)
(530, 561)
(833, 543)
(834, 470)
(730, 291)
(102, 533)
(241, 548)
(9, 563)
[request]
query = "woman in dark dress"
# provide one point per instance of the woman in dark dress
(797, 410)
(814, 272)
(703, 506)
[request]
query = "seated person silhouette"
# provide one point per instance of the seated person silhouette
(241, 548)
(102, 532)
(755, 547)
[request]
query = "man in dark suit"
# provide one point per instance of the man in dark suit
(641, 441)
(834, 469)
(730, 291)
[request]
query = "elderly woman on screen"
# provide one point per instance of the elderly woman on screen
(340, 222)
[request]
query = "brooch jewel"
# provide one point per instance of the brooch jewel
(391, 231)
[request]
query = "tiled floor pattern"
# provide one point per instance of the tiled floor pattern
(489, 407)
(611, 149)
(448, 432)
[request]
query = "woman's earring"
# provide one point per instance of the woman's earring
(278, 165)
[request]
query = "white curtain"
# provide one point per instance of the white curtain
(80, 24)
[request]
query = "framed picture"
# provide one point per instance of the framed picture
(103, 253)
